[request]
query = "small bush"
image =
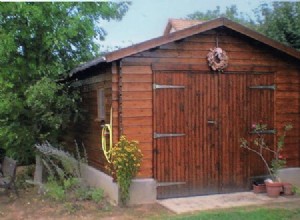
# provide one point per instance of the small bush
(72, 189)
(97, 194)
(23, 175)
(71, 183)
(60, 164)
(94, 194)
(54, 190)
(64, 181)
(126, 161)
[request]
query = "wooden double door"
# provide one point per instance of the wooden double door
(199, 119)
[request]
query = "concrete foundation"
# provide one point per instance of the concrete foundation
(96, 178)
(290, 175)
(142, 191)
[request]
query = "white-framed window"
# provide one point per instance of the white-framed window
(101, 104)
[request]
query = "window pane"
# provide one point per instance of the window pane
(101, 104)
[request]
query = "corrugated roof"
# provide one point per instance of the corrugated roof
(178, 35)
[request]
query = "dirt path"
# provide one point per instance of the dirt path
(32, 206)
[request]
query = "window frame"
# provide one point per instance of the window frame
(101, 110)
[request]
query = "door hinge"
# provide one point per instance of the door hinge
(160, 135)
(264, 132)
(272, 87)
(157, 86)
(169, 183)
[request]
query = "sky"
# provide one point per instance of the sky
(146, 19)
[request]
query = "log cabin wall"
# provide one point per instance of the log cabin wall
(88, 131)
(135, 106)
(189, 54)
(287, 110)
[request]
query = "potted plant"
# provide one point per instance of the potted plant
(258, 184)
(259, 146)
(288, 189)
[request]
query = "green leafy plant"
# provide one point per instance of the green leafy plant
(54, 190)
(259, 146)
(55, 38)
(64, 181)
(296, 190)
(61, 165)
(126, 160)
(97, 194)
(87, 193)
(23, 175)
(71, 183)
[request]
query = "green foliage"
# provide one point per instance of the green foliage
(280, 21)
(23, 175)
(60, 164)
(94, 194)
(72, 189)
(261, 146)
(277, 164)
(296, 190)
(69, 183)
(50, 38)
(230, 13)
(41, 42)
(64, 175)
(97, 194)
(277, 20)
(126, 160)
(64, 182)
(54, 190)
(244, 213)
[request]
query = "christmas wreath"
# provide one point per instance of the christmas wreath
(217, 59)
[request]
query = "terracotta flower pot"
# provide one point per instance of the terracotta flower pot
(274, 189)
(259, 188)
(287, 189)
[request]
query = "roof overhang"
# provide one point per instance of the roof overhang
(178, 35)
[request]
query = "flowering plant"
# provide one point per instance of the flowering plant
(261, 146)
(126, 160)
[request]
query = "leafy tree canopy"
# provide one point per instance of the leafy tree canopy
(39, 42)
(277, 20)
(230, 12)
(280, 21)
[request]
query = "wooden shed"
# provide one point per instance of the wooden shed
(188, 118)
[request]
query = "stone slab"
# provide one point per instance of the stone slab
(201, 203)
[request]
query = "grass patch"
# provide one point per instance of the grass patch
(237, 214)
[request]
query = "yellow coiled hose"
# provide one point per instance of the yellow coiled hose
(107, 147)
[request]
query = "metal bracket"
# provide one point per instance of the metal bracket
(169, 183)
(272, 87)
(264, 132)
(159, 135)
(211, 122)
(157, 86)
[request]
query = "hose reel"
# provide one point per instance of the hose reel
(107, 131)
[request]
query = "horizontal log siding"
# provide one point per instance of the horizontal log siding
(137, 114)
(244, 55)
(137, 80)
(88, 132)
(288, 111)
